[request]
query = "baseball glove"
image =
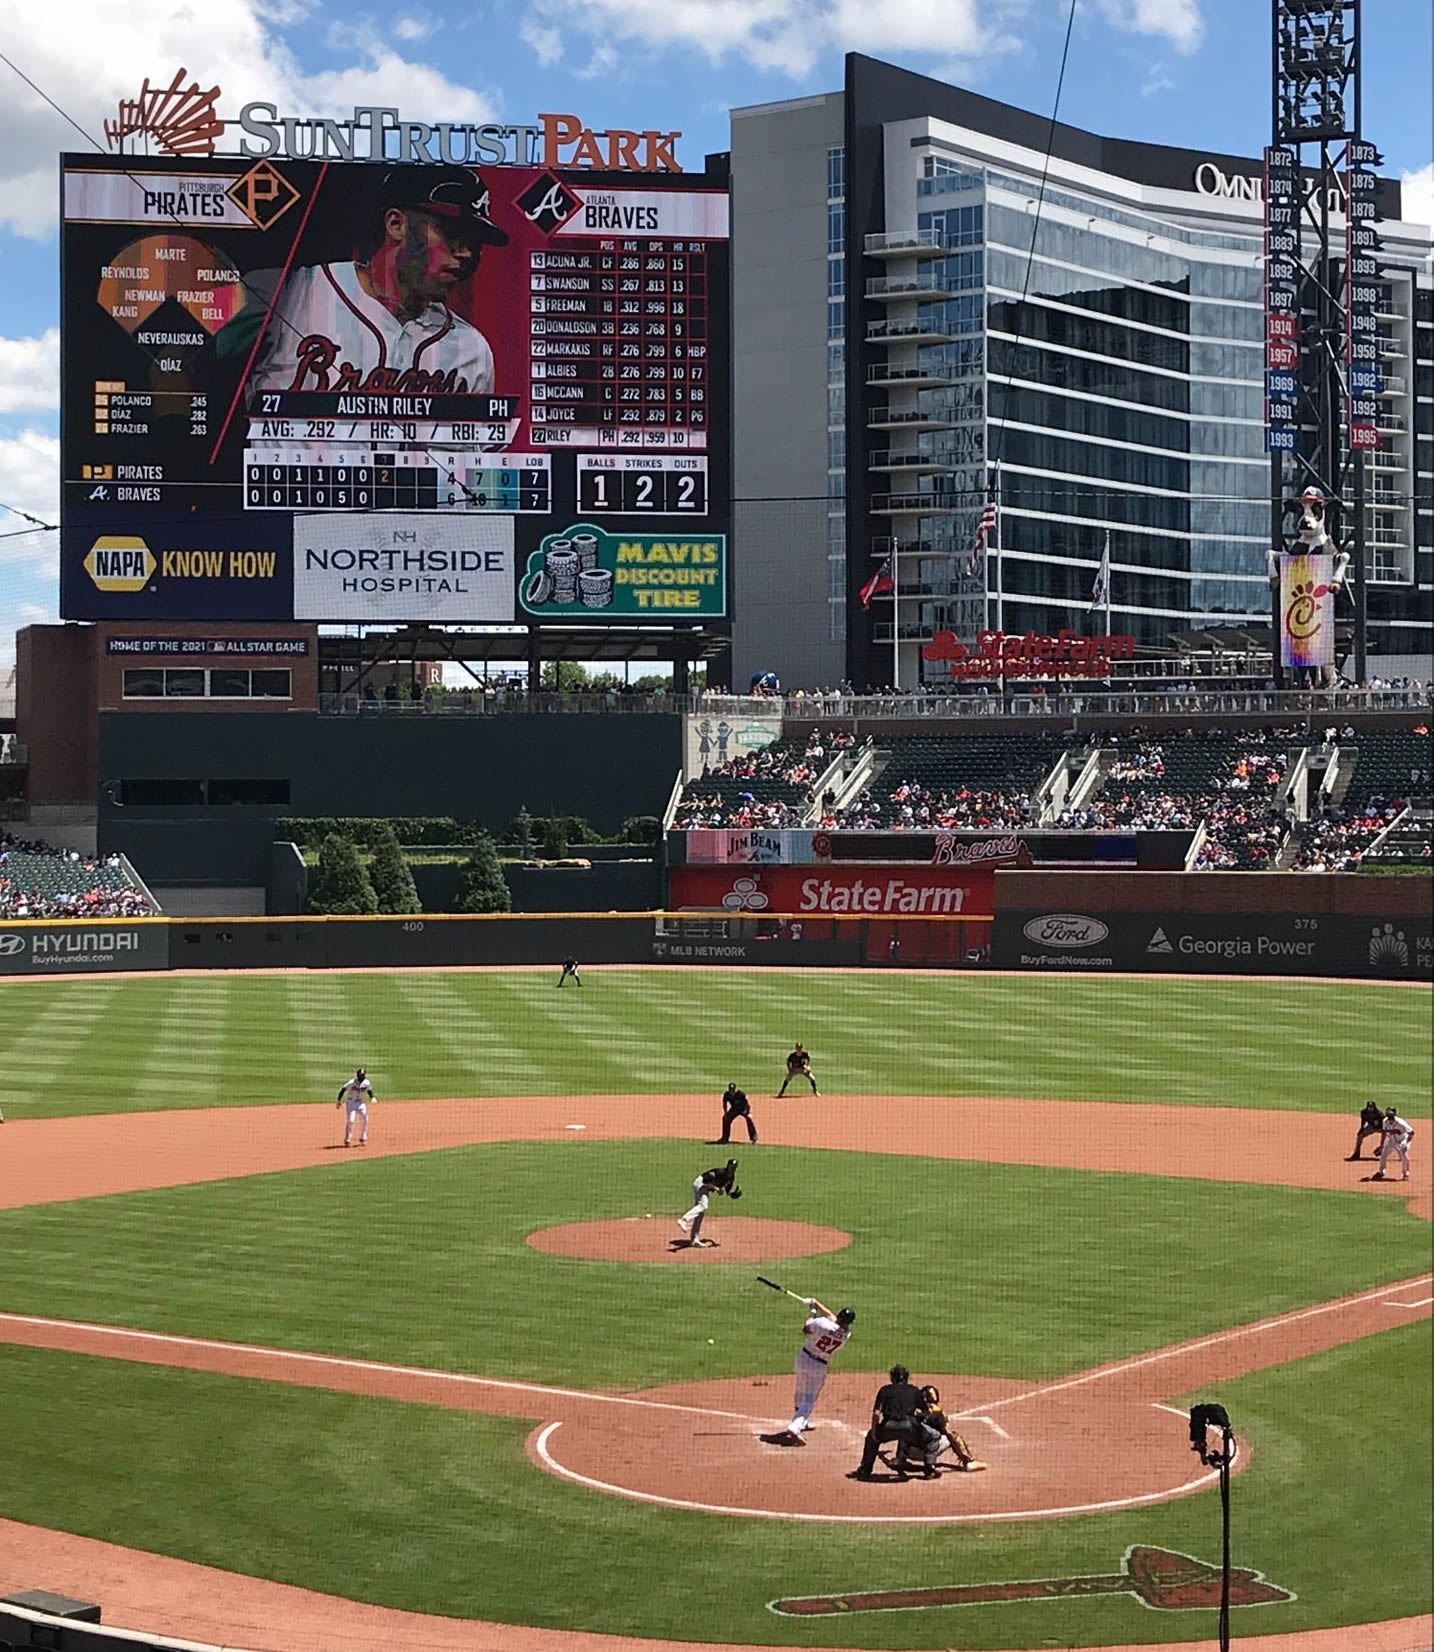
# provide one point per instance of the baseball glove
(735, 1193)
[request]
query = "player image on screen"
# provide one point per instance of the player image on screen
(381, 322)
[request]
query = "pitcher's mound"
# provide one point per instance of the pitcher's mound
(657, 1239)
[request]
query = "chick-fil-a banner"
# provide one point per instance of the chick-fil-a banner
(1306, 610)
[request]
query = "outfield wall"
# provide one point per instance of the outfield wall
(1152, 923)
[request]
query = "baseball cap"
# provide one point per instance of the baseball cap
(453, 193)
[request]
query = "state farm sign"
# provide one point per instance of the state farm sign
(855, 891)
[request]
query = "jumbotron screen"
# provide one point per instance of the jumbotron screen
(354, 392)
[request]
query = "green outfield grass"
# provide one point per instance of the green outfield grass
(88, 1046)
(438, 1511)
(1006, 1270)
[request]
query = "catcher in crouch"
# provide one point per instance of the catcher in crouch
(799, 1065)
(936, 1436)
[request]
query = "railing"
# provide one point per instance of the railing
(937, 417)
(906, 240)
(907, 286)
(885, 458)
(927, 375)
(1118, 698)
(907, 332)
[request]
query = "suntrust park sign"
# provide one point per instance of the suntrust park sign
(183, 119)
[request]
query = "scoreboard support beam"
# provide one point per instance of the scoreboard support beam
(535, 659)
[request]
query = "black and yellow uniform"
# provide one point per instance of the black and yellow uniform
(736, 1106)
(570, 967)
(799, 1065)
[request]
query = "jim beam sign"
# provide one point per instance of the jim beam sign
(180, 119)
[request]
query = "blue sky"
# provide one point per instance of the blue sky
(1188, 72)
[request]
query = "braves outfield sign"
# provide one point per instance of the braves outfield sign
(587, 574)
(83, 946)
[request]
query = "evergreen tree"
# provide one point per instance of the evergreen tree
(482, 887)
(520, 832)
(554, 838)
(392, 881)
(342, 884)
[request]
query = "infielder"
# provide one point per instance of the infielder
(1398, 1133)
(717, 1180)
(355, 1094)
(826, 1334)
(799, 1065)
(381, 322)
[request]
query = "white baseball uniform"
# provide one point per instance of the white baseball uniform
(692, 1219)
(356, 1095)
(1398, 1133)
(824, 1338)
(327, 334)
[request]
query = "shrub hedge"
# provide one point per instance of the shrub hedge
(422, 830)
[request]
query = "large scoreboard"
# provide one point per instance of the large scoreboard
(358, 392)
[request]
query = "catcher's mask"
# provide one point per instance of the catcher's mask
(932, 1395)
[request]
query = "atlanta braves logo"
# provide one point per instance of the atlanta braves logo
(317, 367)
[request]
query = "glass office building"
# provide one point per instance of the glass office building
(1100, 340)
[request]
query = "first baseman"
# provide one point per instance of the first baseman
(355, 1094)
(382, 321)
(825, 1334)
(799, 1065)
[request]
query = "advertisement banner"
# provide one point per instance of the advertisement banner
(712, 741)
(83, 946)
(398, 567)
(733, 847)
(287, 648)
(532, 351)
(586, 574)
(931, 891)
(174, 568)
(1306, 610)
(1079, 941)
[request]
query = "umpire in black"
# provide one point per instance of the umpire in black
(736, 1106)
(896, 1415)
(1371, 1123)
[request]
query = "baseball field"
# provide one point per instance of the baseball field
(470, 1376)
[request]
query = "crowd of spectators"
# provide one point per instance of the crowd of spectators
(912, 807)
(1338, 839)
(790, 773)
(77, 886)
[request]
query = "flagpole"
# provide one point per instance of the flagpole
(1000, 560)
(1109, 581)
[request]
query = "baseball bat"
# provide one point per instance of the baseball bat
(772, 1284)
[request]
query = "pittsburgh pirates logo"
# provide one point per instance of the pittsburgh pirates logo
(548, 204)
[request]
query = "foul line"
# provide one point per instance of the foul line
(1213, 1341)
(1423, 1302)
(462, 1378)
(541, 1446)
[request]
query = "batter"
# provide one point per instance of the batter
(826, 1334)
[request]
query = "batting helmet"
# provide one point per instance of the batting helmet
(847, 1316)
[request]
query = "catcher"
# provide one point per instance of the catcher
(723, 1180)
(799, 1065)
(938, 1437)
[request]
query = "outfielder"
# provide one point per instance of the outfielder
(826, 1334)
(570, 967)
(381, 322)
(1398, 1133)
(355, 1094)
(799, 1065)
(717, 1180)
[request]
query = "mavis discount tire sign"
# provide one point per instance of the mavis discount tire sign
(83, 946)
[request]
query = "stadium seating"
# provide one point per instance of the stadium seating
(38, 881)
(771, 787)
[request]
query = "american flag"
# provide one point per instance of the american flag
(984, 528)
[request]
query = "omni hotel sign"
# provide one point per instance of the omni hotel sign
(183, 120)
(1236, 186)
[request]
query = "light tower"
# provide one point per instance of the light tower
(1321, 298)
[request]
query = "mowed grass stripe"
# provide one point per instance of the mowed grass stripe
(1318, 1046)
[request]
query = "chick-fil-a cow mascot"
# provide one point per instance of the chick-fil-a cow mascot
(1312, 539)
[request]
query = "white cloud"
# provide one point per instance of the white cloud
(1178, 21)
(602, 62)
(30, 373)
(30, 482)
(546, 42)
(1157, 80)
(104, 52)
(1418, 195)
(787, 35)
(417, 27)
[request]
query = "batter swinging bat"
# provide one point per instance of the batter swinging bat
(772, 1284)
